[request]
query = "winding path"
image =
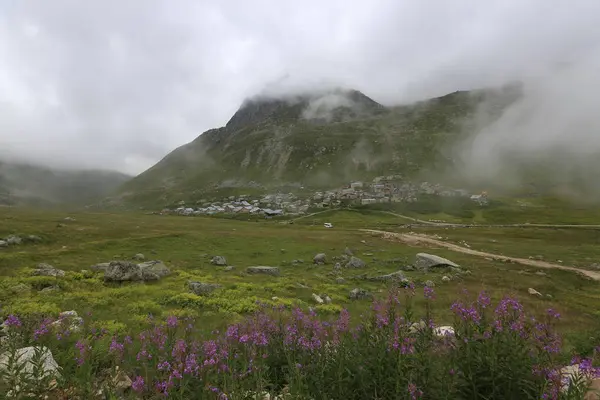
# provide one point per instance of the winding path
(424, 240)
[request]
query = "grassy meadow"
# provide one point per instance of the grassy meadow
(186, 245)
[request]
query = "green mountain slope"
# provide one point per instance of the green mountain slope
(316, 141)
(24, 184)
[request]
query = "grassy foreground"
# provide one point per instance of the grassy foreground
(187, 244)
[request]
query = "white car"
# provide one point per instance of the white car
(327, 225)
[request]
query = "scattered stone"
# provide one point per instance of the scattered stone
(202, 289)
(446, 279)
(337, 267)
(407, 268)
(296, 262)
(273, 271)
(318, 298)
(218, 260)
(3, 243)
(393, 277)
(153, 270)
(120, 271)
(327, 299)
(50, 289)
(358, 294)
(121, 382)
(13, 240)
(71, 219)
(33, 239)
(430, 284)
(348, 252)
(139, 257)
(549, 296)
(534, 292)
(25, 363)
(541, 273)
(47, 270)
(355, 262)
(69, 320)
(229, 268)
(367, 254)
(442, 331)
(320, 259)
(425, 261)
(417, 326)
(340, 280)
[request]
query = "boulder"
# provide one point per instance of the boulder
(25, 363)
(355, 262)
(320, 259)
(139, 257)
(219, 260)
(13, 240)
(68, 320)
(47, 270)
(202, 289)
(153, 270)
(394, 276)
(442, 331)
(358, 294)
(121, 382)
(274, 271)
(120, 271)
(318, 298)
(425, 261)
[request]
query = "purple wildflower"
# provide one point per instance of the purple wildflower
(429, 293)
(138, 384)
(483, 300)
(13, 321)
(414, 392)
(172, 321)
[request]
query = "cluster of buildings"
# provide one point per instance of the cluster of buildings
(383, 189)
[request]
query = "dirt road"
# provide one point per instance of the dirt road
(424, 240)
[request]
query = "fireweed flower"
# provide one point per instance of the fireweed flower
(83, 348)
(138, 384)
(429, 293)
(414, 392)
(483, 300)
(13, 321)
(43, 329)
(116, 347)
(172, 321)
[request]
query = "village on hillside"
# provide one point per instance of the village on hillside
(383, 189)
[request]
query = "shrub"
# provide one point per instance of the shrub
(492, 352)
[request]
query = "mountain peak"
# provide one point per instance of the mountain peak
(317, 106)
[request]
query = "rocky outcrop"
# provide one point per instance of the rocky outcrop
(202, 289)
(219, 260)
(47, 270)
(355, 262)
(320, 259)
(426, 261)
(121, 271)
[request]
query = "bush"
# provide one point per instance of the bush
(491, 352)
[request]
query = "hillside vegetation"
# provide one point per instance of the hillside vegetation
(316, 142)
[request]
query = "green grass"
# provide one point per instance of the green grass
(185, 244)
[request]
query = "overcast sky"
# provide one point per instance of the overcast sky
(117, 84)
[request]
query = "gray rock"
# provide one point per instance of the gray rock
(121, 271)
(320, 259)
(430, 284)
(355, 262)
(139, 257)
(425, 261)
(3, 243)
(47, 270)
(358, 294)
(13, 240)
(348, 252)
(340, 280)
(33, 239)
(218, 260)
(100, 267)
(337, 267)
(229, 268)
(534, 292)
(318, 298)
(274, 271)
(326, 299)
(68, 320)
(394, 276)
(541, 273)
(202, 289)
(446, 279)
(25, 363)
(50, 289)
(153, 270)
